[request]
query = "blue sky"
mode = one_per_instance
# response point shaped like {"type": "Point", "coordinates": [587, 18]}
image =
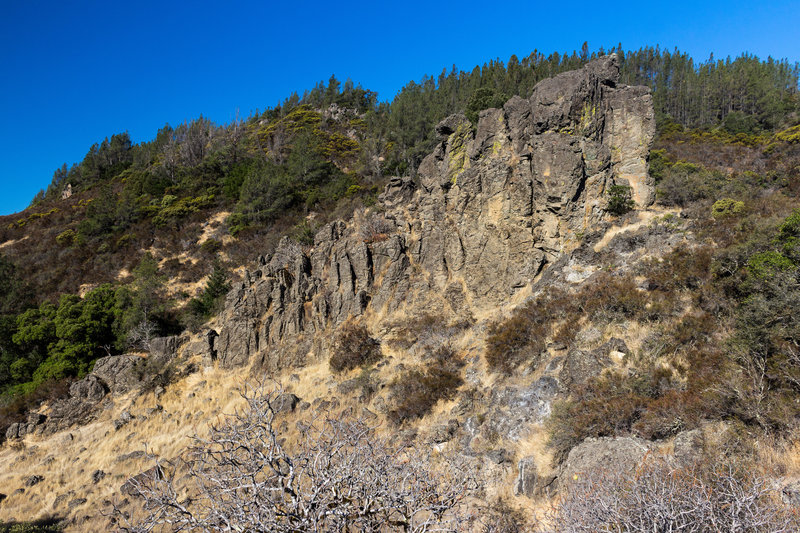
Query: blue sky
{"type": "Point", "coordinates": [75, 72]}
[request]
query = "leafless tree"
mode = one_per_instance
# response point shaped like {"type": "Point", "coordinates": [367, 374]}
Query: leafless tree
{"type": "Point", "coordinates": [142, 333]}
{"type": "Point", "coordinates": [661, 496]}
{"type": "Point", "coordinates": [338, 477]}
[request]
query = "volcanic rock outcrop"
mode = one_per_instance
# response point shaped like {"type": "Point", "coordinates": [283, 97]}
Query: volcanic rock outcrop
{"type": "Point", "coordinates": [492, 206]}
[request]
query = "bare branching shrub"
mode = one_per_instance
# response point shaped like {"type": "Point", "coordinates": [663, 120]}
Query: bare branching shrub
{"type": "Point", "coordinates": [660, 496]}
{"type": "Point", "coordinates": [353, 348]}
{"type": "Point", "coordinates": [339, 476]}
{"type": "Point", "coordinates": [376, 228]}
{"type": "Point", "coordinates": [141, 334]}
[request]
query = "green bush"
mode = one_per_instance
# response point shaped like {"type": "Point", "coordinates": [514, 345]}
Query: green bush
{"type": "Point", "coordinates": [765, 265]}
{"type": "Point", "coordinates": [619, 200]}
{"type": "Point", "coordinates": [659, 164]}
{"type": "Point", "coordinates": [210, 246]}
{"type": "Point", "coordinates": [683, 183]}
{"type": "Point", "coordinates": [726, 207]}
{"type": "Point", "coordinates": [173, 209]}
{"type": "Point", "coordinates": [211, 298]}
{"type": "Point", "coordinates": [66, 238]}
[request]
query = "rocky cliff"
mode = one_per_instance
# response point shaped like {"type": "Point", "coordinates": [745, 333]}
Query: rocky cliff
{"type": "Point", "coordinates": [493, 205]}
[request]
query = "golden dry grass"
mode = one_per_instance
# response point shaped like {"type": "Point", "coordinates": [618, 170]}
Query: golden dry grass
{"type": "Point", "coordinates": [67, 460]}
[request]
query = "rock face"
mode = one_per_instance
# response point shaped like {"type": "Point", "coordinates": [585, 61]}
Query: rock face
{"type": "Point", "coordinates": [620, 453]}
{"type": "Point", "coordinates": [492, 207]}
{"type": "Point", "coordinates": [120, 373]}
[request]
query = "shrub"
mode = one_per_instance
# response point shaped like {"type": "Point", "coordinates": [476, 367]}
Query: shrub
{"type": "Point", "coordinates": [602, 407]}
{"type": "Point", "coordinates": [416, 391]}
{"type": "Point", "coordinates": [663, 496]}
{"type": "Point", "coordinates": [66, 238]}
{"type": "Point", "coordinates": [353, 347]}
{"type": "Point", "coordinates": [43, 525]}
{"type": "Point", "coordinates": [619, 200]}
{"type": "Point", "coordinates": [726, 207]}
{"type": "Point", "coordinates": [684, 183]}
{"type": "Point", "coordinates": [376, 228]}
{"type": "Point", "coordinates": [516, 340]}
{"type": "Point", "coordinates": [611, 297]}
{"type": "Point", "coordinates": [304, 233]}
{"type": "Point", "coordinates": [210, 246]}
{"type": "Point", "coordinates": [339, 476]}
{"type": "Point", "coordinates": [659, 163]}
{"type": "Point", "coordinates": [125, 240]}
{"type": "Point", "coordinates": [522, 338]}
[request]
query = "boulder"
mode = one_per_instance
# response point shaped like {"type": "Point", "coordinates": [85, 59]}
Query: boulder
{"type": "Point", "coordinates": [285, 402]}
{"type": "Point", "coordinates": [513, 409]}
{"type": "Point", "coordinates": [689, 446]}
{"type": "Point", "coordinates": [76, 502]}
{"type": "Point", "coordinates": [444, 432]}
{"type": "Point", "coordinates": [138, 454]}
{"type": "Point", "coordinates": [91, 389]}
{"type": "Point", "coordinates": [13, 431]}
{"type": "Point", "coordinates": [120, 373]}
{"type": "Point", "coordinates": [165, 348]}
{"type": "Point", "coordinates": [124, 418]}
{"type": "Point", "coordinates": [790, 494]}
{"type": "Point", "coordinates": [30, 481]}
{"type": "Point", "coordinates": [398, 191]}
{"type": "Point", "coordinates": [61, 498]}
{"type": "Point", "coordinates": [132, 485]}
{"type": "Point", "coordinates": [499, 456]}
{"type": "Point", "coordinates": [620, 453]}
{"type": "Point", "coordinates": [34, 418]}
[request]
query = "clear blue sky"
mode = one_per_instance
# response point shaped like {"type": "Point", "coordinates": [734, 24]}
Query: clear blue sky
{"type": "Point", "coordinates": [75, 72]}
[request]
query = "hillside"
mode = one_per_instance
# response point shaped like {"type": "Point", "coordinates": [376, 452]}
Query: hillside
{"type": "Point", "coordinates": [572, 278]}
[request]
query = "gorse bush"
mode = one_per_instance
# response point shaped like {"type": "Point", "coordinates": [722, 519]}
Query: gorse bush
{"type": "Point", "coordinates": [726, 207]}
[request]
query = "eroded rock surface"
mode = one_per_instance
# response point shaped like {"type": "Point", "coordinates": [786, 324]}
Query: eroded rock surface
{"type": "Point", "coordinates": [621, 453]}
{"type": "Point", "coordinates": [492, 207]}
